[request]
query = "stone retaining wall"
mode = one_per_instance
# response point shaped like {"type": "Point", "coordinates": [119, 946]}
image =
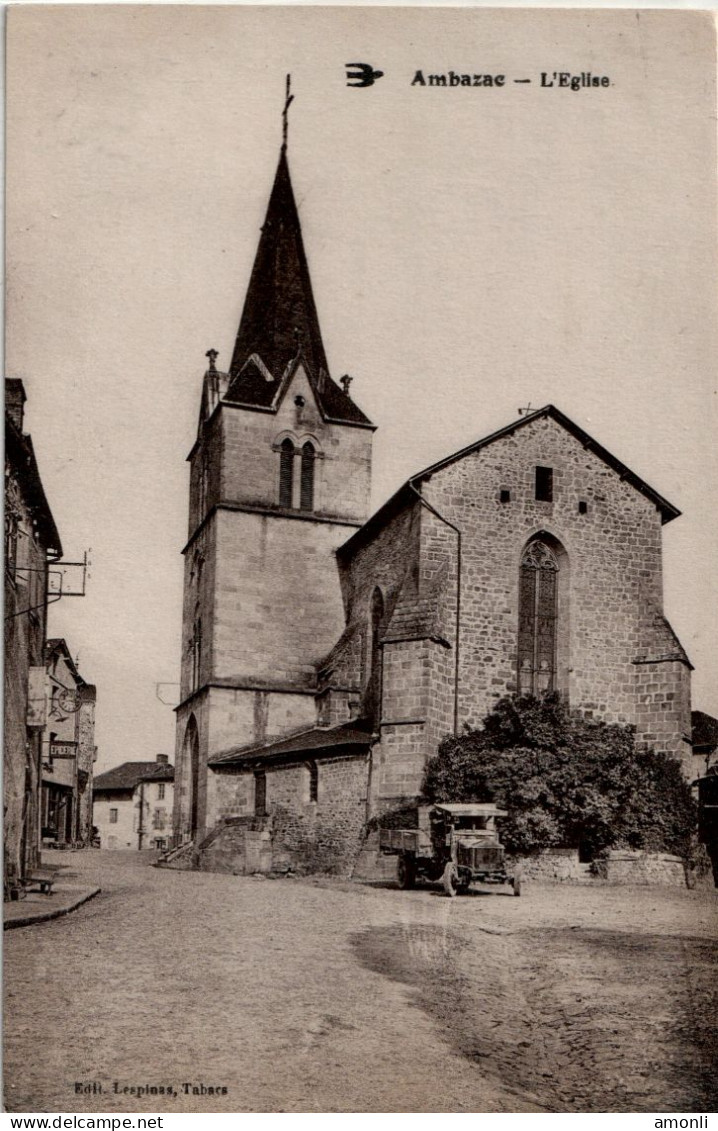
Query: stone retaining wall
{"type": "Point", "coordinates": [560, 865]}
{"type": "Point", "coordinates": [625, 866]}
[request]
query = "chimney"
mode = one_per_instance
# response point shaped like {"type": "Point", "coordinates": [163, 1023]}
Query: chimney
{"type": "Point", "coordinates": [15, 400]}
{"type": "Point", "coordinates": [163, 759]}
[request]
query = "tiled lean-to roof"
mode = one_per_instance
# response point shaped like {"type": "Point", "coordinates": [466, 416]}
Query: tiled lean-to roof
{"type": "Point", "coordinates": [334, 739]}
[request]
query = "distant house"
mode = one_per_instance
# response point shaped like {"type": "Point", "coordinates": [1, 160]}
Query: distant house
{"type": "Point", "coordinates": [132, 805]}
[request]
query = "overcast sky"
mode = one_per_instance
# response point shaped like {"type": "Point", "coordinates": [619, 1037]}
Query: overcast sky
{"type": "Point", "coordinates": [472, 250]}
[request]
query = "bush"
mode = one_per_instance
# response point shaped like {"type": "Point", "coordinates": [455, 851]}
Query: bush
{"type": "Point", "coordinates": [566, 781]}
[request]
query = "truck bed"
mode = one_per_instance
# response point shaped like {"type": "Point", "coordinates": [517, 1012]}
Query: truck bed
{"type": "Point", "coordinates": [415, 841]}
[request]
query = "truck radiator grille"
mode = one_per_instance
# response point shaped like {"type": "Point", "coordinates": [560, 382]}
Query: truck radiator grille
{"type": "Point", "coordinates": [482, 857]}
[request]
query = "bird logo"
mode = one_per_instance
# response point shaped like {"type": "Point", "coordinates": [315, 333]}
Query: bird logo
{"type": "Point", "coordinates": [362, 74]}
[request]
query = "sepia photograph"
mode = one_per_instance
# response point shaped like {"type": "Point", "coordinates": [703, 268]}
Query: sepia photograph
{"type": "Point", "coordinates": [360, 602]}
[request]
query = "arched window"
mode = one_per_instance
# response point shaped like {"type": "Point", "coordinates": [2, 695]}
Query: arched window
{"type": "Point", "coordinates": [306, 493]}
{"type": "Point", "coordinates": [190, 772]}
{"type": "Point", "coordinates": [196, 648]}
{"type": "Point", "coordinates": [202, 486]}
{"type": "Point", "coordinates": [538, 610]}
{"type": "Point", "coordinates": [286, 473]}
{"type": "Point", "coordinates": [374, 682]}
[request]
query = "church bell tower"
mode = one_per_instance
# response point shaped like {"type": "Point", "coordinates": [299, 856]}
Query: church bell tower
{"type": "Point", "coordinates": [279, 478]}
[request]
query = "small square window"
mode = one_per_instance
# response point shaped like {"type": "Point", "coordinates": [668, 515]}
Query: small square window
{"type": "Point", "coordinates": [582, 506]}
{"type": "Point", "coordinates": [505, 495]}
{"type": "Point", "coordinates": [544, 484]}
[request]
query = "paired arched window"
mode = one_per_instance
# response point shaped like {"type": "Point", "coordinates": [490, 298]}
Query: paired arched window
{"type": "Point", "coordinates": [308, 455]}
{"type": "Point", "coordinates": [306, 492]}
{"type": "Point", "coordinates": [538, 618]}
{"type": "Point", "coordinates": [286, 473]}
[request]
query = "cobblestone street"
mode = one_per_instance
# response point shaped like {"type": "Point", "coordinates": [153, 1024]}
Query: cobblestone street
{"type": "Point", "coordinates": [321, 995]}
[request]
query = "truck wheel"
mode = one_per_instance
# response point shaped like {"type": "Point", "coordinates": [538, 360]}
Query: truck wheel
{"type": "Point", "coordinates": [450, 879]}
{"type": "Point", "coordinates": [516, 884]}
{"type": "Point", "coordinates": [405, 872]}
{"type": "Point", "coordinates": [463, 882]}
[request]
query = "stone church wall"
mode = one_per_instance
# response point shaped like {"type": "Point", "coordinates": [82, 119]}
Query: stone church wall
{"type": "Point", "coordinates": [230, 793]}
{"type": "Point", "coordinates": [388, 561]}
{"type": "Point", "coordinates": [612, 588]}
{"type": "Point", "coordinates": [198, 603]}
{"type": "Point", "coordinates": [229, 717]}
{"type": "Point", "coordinates": [664, 709]}
{"type": "Point", "coordinates": [416, 715]}
{"type": "Point", "coordinates": [277, 606]}
{"type": "Point", "coordinates": [297, 834]}
{"type": "Point", "coordinates": [321, 836]}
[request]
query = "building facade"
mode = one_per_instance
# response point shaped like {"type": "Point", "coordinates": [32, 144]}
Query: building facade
{"type": "Point", "coordinates": [132, 805]}
{"type": "Point", "coordinates": [68, 751]}
{"type": "Point", "coordinates": [325, 655]}
{"type": "Point", "coordinates": [32, 543]}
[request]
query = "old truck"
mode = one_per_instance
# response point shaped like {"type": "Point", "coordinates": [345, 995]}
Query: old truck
{"type": "Point", "coordinates": [457, 844]}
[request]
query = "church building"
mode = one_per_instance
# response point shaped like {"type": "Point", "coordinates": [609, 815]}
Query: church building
{"type": "Point", "coordinates": [326, 653]}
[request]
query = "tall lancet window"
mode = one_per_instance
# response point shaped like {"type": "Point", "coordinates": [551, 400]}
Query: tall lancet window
{"type": "Point", "coordinates": [373, 692]}
{"type": "Point", "coordinates": [538, 605]}
{"type": "Point", "coordinates": [196, 654]}
{"type": "Point", "coordinates": [306, 493]}
{"type": "Point", "coordinates": [286, 473]}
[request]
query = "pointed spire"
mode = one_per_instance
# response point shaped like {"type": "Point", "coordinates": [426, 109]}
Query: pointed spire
{"type": "Point", "coordinates": [279, 309]}
{"type": "Point", "coordinates": [279, 323]}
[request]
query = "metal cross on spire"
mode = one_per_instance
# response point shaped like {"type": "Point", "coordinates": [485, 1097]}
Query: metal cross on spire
{"type": "Point", "coordinates": [287, 103]}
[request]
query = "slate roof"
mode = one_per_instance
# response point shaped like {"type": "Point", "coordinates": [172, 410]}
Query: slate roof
{"type": "Point", "coordinates": [129, 775]}
{"type": "Point", "coordinates": [20, 455]}
{"type": "Point", "coordinates": [661, 644]}
{"type": "Point", "coordinates": [408, 492]}
{"type": "Point", "coordinates": [416, 614]}
{"type": "Point", "coordinates": [279, 321]}
{"type": "Point", "coordinates": [336, 739]}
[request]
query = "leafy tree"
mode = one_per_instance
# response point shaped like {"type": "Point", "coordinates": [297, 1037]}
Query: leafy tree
{"type": "Point", "coordinates": [566, 780]}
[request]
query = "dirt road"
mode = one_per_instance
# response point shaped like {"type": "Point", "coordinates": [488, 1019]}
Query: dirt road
{"type": "Point", "coordinates": [329, 996]}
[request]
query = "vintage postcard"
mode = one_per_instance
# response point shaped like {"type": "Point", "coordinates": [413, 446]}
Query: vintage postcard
{"type": "Point", "coordinates": [361, 710]}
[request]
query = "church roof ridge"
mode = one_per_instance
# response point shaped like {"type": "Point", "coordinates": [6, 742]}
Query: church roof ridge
{"type": "Point", "coordinates": [407, 492]}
